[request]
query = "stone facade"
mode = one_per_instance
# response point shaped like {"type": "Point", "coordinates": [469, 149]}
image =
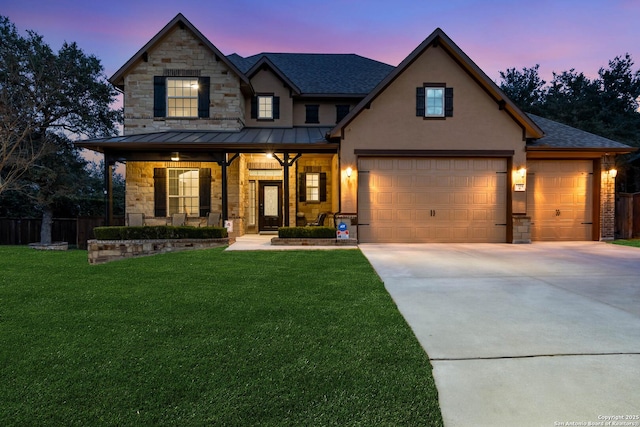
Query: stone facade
{"type": "Point", "coordinates": [103, 251]}
{"type": "Point", "coordinates": [180, 50]}
{"type": "Point", "coordinates": [521, 229]}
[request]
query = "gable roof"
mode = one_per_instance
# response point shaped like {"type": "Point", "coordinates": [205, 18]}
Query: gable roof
{"type": "Point", "coordinates": [439, 39]}
{"type": "Point", "coordinates": [559, 136]}
{"type": "Point", "coordinates": [118, 78]}
{"type": "Point", "coordinates": [319, 73]}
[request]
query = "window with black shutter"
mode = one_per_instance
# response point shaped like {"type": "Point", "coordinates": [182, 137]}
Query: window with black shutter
{"type": "Point", "coordinates": [179, 190]}
{"type": "Point", "coordinates": [312, 187]}
{"type": "Point", "coordinates": [341, 112]}
{"type": "Point", "coordinates": [312, 113]}
{"type": "Point", "coordinates": [434, 100]}
{"type": "Point", "coordinates": [181, 96]}
{"type": "Point", "coordinates": [265, 107]}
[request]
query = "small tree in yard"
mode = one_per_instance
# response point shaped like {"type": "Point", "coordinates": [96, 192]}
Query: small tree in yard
{"type": "Point", "coordinates": [46, 98]}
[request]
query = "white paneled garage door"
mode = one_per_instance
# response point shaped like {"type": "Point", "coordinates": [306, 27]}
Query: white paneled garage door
{"type": "Point", "coordinates": [560, 199]}
{"type": "Point", "coordinates": [432, 200]}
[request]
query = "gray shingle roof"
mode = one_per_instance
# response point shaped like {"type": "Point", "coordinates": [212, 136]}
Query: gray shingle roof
{"type": "Point", "coordinates": [558, 135]}
{"type": "Point", "coordinates": [320, 73]}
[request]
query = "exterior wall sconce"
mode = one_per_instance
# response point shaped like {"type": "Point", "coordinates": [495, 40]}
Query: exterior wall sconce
{"type": "Point", "coordinates": [175, 156]}
{"type": "Point", "coordinates": [349, 171]}
{"type": "Point", "coordinates": [522, 172]}
{"type": "Point", "coordinates": [612, 173]}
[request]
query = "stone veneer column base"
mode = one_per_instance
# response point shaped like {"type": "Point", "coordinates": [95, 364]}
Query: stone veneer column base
{"type": "Point", "coordinates": [521, 229]}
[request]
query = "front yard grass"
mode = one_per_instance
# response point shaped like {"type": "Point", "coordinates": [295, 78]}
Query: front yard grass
{"type": "Point", "coordinates": [298, 338]}
{"type": "Point", "coordinates": [628, 242]}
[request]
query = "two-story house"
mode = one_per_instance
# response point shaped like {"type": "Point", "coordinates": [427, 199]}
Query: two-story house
{"type": "Point", "coordinates": [428, 151]}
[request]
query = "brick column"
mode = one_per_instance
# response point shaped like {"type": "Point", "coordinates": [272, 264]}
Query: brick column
{"type": "Point", "coordinates": [607, 201]}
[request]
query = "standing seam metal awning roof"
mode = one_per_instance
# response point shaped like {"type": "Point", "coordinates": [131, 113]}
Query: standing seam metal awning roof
{"type": "Point", "coordinates": [303, 138]}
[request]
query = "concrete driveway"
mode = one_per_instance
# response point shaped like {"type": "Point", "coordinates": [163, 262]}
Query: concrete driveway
{"type": "Point", "coordinates": [546, 334]}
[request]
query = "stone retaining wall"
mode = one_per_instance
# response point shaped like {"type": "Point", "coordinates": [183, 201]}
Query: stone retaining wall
{"type": "Point", "coordinates": [102, 251]}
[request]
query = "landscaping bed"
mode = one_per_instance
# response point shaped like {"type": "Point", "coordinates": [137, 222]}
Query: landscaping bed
{"type": "Point", "coordinates": [310, 236]}
{"type": "Point", "coordinates": [116, 243]}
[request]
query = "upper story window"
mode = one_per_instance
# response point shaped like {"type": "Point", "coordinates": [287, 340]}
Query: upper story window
{"type": "Point", "coordinates": [182, 97]}
{"type": "Point", "coordinates": [312, 113]}
{"type": "Point", "coordinates": [341, 112]}
{"type": "Point", "coordinates": [265, 107]}
{"type": "Point", "coordinates": [434, 100]}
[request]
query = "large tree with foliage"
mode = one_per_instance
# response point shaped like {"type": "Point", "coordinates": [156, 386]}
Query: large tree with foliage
{"type": "Point", "coordinates": [46, 98]}
{"type": "Point", "coordinates": [606, 105]}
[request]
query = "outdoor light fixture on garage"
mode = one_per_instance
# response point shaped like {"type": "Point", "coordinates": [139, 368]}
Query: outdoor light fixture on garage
{"type": "Point", "coordinates": [349, 171]}
{"type": "Point", "coordinates": [612, 173]}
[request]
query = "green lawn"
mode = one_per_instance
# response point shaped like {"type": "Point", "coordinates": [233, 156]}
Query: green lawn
{"type": "Point", "coordinates": [272, 338]}
{"type": "Point", "coordinates": [631, 242]}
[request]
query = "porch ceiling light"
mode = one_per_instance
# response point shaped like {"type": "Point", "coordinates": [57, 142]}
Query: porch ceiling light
{"type": "Point", "coordinates": [175, 156]}
{"type": "Point", "coordinates": [269, 155]}
{"type": "Point", "coordinates": [613, 173]}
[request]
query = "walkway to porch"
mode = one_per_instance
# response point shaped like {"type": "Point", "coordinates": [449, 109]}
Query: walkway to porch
{"type": "Point", "coordinates": [258, 242]}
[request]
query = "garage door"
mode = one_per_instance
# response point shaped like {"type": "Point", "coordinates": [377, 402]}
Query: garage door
{"type": "Point", "coordinates": [432, 200]}
{"type": "Point", "coordinates": [560, 199]}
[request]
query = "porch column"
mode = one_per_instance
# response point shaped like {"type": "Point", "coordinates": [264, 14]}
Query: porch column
{"type": "Point", "coordinates": [286, 188]}
{"type": "Point", "coordinates": [225, 195]}
{"type": "Point", "coordinates": [108, 190]}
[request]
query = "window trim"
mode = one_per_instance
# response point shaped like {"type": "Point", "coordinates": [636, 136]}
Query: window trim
{"type": "Point", "coordinates": [259, 115]}
{"type": "Point", "coordinates": [439, 98]}
{"type": "Point", "coordinates": [193, 109]}
{"type": "Point", "coordinates": [312, 113]}
{"type": "Point", "coordinates": [196, 197]}
{"type": "Point", "coordinates": [308, 187]}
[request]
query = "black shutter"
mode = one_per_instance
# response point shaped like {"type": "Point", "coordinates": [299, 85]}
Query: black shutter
{"type": "Point", "coordinates": [276, 107]}
{"type": "Point", "coordinates": [204, 87]}
{"type": "Point", "coordinates": [302, 187]}
{"type": "Point", "coordinates": [323, 187]}
{"type": "Point", "coordinates": [254, 107]}
{"type": "Point", "coordinates": [159, 96]}
{"type": "Point", "coordinates": [160, 191]}
{"type": "Point", "coordinates": [312, 115]}
{"type": "Point", "coordinates": [448, 102]}
{"type": "Point", "coordinates": [205, 191]}
{"type": "Point", "coordinates": [341, 112]}
{"type": "Point", "coordinates": [420, 102]}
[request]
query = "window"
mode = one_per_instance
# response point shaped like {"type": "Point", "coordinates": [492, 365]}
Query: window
{"type": "Point", "coordinates": [265, 107]}
{"type": "Point", "coordinates": [341, 112]}
{"type": "Point", "coordinates": [184, 190]}
{"type": "Point", "coordinates": [313, 115]}
{"type": "Point", "coordinates": [313, 187]}
{"type": "Point", "coordinates": [182, 97]}
{"type": "Point", "coordinates": [434, 100]}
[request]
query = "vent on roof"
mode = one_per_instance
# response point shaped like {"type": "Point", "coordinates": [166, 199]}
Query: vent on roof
{"type": "Point", "coordinates": [181, 73]}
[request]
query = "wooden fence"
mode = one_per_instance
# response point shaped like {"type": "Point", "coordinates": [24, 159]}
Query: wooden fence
{"type": "Point", "coordinates": [628, 215]}
{"type": "Point", "coordinates": [75, 231]}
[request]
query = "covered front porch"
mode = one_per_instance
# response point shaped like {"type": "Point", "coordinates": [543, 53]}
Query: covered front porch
{"type": "Point", "coordinates": [258, 179]}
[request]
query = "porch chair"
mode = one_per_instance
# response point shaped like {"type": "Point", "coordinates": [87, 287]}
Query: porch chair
{"type": "Point", "coordinates": [135, 219]}
{"type": "Point", "coordinates": [178, 219]}
{"type": "Point", "coordinates": [319, 222]}
{"type": "Point", "coordinates": [213, 220]}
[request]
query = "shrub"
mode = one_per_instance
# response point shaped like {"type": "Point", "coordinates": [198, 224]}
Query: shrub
{"type": "Point", "coordinates": [307, 232]}
{"type": "Point", "coordinates": [159, 232]}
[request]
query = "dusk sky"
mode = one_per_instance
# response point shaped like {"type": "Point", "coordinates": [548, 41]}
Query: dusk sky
{"type": "Point", "coordinates": [496, 34]}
